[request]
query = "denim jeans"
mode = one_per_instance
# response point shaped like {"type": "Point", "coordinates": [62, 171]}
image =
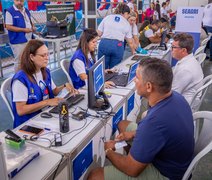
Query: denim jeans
{"type": "Point", "coordinates": [113, 51]}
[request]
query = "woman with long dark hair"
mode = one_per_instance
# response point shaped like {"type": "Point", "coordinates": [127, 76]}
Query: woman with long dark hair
{"type": "Point", "coordinates": [84, 58]}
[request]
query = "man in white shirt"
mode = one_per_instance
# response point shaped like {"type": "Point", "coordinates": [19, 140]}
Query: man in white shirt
{"type": "Point", "coordinates": [19, 25]}
{"type": "Point", "coordinates": [187, 72]}
{"type": "Point", "coordinates": [207, 22]}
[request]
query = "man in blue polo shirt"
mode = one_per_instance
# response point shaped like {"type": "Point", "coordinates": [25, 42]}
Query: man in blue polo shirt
{"type": "Point", "coordinates": [163, 141]}
{"type": "Point", "coordinates": [19, 25]}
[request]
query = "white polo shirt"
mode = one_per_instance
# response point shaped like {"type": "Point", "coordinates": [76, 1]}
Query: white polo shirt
{"type": "Point", "coordinates": [187, 76]}
{"type": "Point", "coordinates": [115, 27]}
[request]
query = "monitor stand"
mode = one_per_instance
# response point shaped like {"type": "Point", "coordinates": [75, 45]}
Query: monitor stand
{"type": "Point", "coordinates": [162, 47]}
{"type": "Point", "coordinates": [101, 103]}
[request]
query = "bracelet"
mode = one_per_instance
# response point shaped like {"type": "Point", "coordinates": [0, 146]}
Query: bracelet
{"type": "Point", "coordinates": [109, 149]}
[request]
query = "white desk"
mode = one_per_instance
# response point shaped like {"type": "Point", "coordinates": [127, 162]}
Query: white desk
{"type": "Point", "coordinates": [161, 54]}
{"type": "Point", "coordinates": [78, 140]}
{"type": "Point", "coordinates": [57, 43]}
{"type": "Point", "coordinates": [42, 167]}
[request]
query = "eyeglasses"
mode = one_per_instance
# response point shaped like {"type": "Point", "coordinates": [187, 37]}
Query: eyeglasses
{"type": "Point", "coordinates": [173, 47]}
{"type": "Point", "coordinates": [43, 55]}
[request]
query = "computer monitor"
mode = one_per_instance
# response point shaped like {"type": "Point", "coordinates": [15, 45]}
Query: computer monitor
{"type": "Point", "coordinates": [97, 100]}
{"type": "Point", "coordinates": [163, 38]}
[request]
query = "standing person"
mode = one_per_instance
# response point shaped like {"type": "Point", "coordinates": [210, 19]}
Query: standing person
{"type": "Point", "coordinates": [113, 30]}
{"type": "Point", "coordinates": [168, 8]}
{"type": "Point", "coordinates": [20, 27]}
{"type": "Point", "coordinates": [207, 23]}
{"type": "Point", "coordinates": [132, 21]}
{"type": "Point", "coordinates": [150, 12]}
{"type": "Point", "coordinates": [131, 5]}
{"type": "Point", "coordinates": [156, 15]}
{"type": "Point", "coordinates": [84, 58]}
{"type": "Point", "coordinates": [163, 11]}
{"type": "Point", "coordinates": [162, 144]}
{"type": "Point", "coordinates": [32, 86]}
{"type": "Point", "coordinates": [187, 72]}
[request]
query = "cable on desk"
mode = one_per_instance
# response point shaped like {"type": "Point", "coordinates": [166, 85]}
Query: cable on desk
{"type": "Point", "coordinates": [55, 173]}
{"type": "Point", "coordinates": [78, 132]}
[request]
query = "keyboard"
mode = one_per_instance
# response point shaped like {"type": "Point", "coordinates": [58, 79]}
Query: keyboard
{"type": "Point", "coordinates": [138, 58]}
{"type": "Point", "coordinates": [71, 101]}
{"type": "Point", "coordinates": [120, 80]}
{"type": "Point", "coordinates": [153, 47]}
{"type": "Point", "coordinates": [108, 76]}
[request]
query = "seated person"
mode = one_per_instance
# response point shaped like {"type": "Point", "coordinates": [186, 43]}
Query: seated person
{"type": "Point", "coordinates": [148, 36]}
{"type": "Point", "coordinates": [187, 72]}
{"type": "Point", "coordinates": [84, 58]}
{"type": "Point", "coordinates": [32, 86]}
{"type": "Point", "coordinates": [163, 142]}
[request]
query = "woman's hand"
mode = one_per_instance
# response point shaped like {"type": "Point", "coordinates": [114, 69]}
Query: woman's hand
{"type": "Point", "coordinates": [71, 89]}
{"type": "Point", "coordinates": [53, 101]}
{"type": "Point", "coordinates": [109, 84]}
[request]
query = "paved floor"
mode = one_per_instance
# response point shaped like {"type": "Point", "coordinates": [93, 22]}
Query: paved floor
{"type": "Point", "coordinates": [203, 170]}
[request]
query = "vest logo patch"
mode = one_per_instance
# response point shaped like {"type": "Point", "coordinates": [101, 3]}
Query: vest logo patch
{"type": "Point", "coordinates": [117, 19]}
{"type": "Point", "coordinates": [32, 95]}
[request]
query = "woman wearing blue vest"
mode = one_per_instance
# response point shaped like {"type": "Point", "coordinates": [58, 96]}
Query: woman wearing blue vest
{"type": "Point", "coordinates": [84, 58]}
{"type": "Point", "coordinates": [114, 29]}
{"type": "Point", "coordinates": [32, 86]}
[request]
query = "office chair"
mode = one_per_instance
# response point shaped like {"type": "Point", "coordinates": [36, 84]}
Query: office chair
{"type": "Point", "coordinates": [64, 63]}
{"type": "Point", "coordinates": [200, 49]}
{"type": "Point", "coordinates": [201, 92]}
{"type": "Point", "coordinates": [6, 94]}
{"type": "Point", "coordinates": [203, 140]}
{"type": "Point", "coordinates": [200, 57]}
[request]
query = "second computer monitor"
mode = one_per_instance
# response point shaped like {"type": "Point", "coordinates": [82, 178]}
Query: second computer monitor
{"type": "Point", "coordinates": [163, 38]}
{"type": "Point", "coordinates": [96, 80]}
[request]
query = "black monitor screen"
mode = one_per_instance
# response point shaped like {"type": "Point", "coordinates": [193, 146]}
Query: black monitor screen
{"type": "Point", "coordinates": [98, 77]}
{"type": "Point", "coordinates": [96, 80]}
{"type": "Point", "coordinates": [163, 37]}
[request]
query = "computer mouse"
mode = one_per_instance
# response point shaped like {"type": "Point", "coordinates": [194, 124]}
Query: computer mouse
{"type": "Point", "coordinates": [46, 115]}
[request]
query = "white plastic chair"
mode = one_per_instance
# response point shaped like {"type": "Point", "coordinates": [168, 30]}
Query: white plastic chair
{"type": "Point", "coordinates": [200, 57]}
{"type": "Point", "coordinates": [203, 141]}
{"type": "Point", "coordinates": [200, 50]}
{"type": "Point", "coordinates": [200, 93]}
{"type": "Point", "coordinates": [205, 41]}
{"type": "Point", "coordinates": [6, 94]}
{"type": "Point", "coordinates": [65, 67]}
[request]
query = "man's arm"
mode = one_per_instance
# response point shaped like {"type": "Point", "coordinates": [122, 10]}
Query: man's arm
{"type": "Point", "coordinates": [126, 164]}
{"type": "Point", "coordinates": [18, 29]}
{"type": "Point", "coordinates": [155, 39]}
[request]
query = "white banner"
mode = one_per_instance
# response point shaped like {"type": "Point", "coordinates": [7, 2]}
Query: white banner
{"type": "Point", "coordinates": [189, 19]}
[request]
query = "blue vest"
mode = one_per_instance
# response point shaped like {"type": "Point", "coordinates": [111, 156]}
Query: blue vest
{"type": "Point", "coordinates": [34, 95]}
{"type": "Point", "coordinates": [77, 82]}
{"type": "Point", "coordinates": [18, 21]}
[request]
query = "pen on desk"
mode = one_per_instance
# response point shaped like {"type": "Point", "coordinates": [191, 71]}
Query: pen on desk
{"type": "Point", "coordinates": [47, 129]}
